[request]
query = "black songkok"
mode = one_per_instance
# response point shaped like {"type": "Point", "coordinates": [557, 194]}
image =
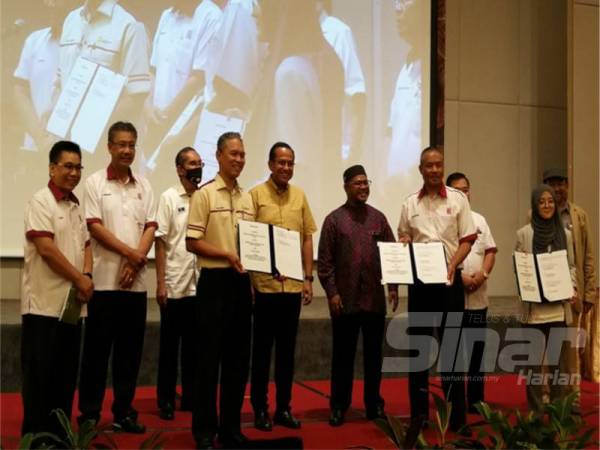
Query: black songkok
{"type": "Point", "coordinates": [352, 171]}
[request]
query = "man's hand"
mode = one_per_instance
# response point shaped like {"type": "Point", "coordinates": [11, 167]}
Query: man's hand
{"type": "Point", "coordinates": [235, 262]}
{"type": "Point", "coordinates": [85, 286]}
{"type": "Point", "coordinates": [468, 281]}
{"type": "Point", "coordinates": [451, 271]}
{"type": "Point", "coordinates": [404, 239]}
{"type": "Point", "coordinates": [335, 305]}
{"type": "Point", "coordinates": [393, 299]}
{"type": "Point", "coordinates": [128, 274]}
{"type": "Point", "coordinates": [307, 292]}
{"type": "Point", "coordinates": [136, 258]}
{"type": "Point", "coordinates": [161, 294]}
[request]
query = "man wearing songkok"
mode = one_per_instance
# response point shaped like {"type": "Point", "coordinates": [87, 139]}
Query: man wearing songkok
{"type": "Point", "coordinates": [350, 272]}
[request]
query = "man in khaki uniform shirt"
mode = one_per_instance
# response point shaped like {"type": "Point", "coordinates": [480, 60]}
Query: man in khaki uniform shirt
{"type": "Point", "coordinates": [278, 300]}
{"type": "Point", "coordinates": [224, 298]}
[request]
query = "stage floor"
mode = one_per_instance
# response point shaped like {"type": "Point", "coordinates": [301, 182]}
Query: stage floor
{"type": "Point", "coordinates": [310, 403]}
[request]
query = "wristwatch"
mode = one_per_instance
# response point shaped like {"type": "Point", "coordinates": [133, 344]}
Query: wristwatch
{"type": "Point", "coordinates": [88, 274]}
{"type": "Point", "coordinates": [309, 278]}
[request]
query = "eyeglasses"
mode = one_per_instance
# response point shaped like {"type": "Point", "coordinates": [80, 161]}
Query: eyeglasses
{"type": "Point", "coordinates": [284, 163]}
{"type": "Point", "coordinates": [360, 183]}
{"type": "Point", "coordinates": [71, 167]}
{"type": "Point", "coordinates": [195, 165]}
{"type": "Point", "coordinates": [123, 145]}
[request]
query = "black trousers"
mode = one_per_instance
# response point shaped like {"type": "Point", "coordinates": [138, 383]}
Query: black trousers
{"type": "Point", "coordinates": [475, 319]}
{"type": "Point", "coordinates": [345, 330]}
{"type": "Point", "coordinates": [49, 363]}
{"type": "Point", "coordinates": [177, 326]}
{"type": "Point", "coordinates": [428, 308]}
{"type": "Point", "coordinates": [224, 308]}
{"type": "Point", "coordinates": [275, 322]}
{"type": "Point", "coordinates": [116, 321]}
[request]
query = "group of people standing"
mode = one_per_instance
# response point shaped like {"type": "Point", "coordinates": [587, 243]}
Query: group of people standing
{"type": "Point", "coordinates": [226, 317]}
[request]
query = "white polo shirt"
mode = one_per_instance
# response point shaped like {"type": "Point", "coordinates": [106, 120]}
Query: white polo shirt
{"type": "Point", "coordinates": [111, 37]}
{"type": "Point", "coordinates": [181, 274]}
{"type": "Point", "coordinates": [445, 218]}
{"type": "Point", "coordinates": [126, 210]}
{"type": "Point", "coordinates": [405, 120]}
{"type": "Point", "coordinates": [474, 261]}
{"type": "Point", "coordinates": [339, 35]}
{"type": "Point", "coordinates": [51, 213]}
{"type": "Point", "coordinates": [38, 66]}
{"type": "Point", "coordinates": [180, 44]}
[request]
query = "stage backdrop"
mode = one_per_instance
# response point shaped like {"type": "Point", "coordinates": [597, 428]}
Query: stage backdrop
{"type": "Point", "coordinates": [342, 82]}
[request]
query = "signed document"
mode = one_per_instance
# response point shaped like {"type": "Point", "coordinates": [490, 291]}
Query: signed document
{"type": "Point", "coordinates": [396, 266]}
{"type": "Point", "coordinates": [526, 277]}
{"type": "Point", "coordinates": [288, 256]}
{"type": "Point", "coordinates": [430, 262]}
{"type": "Point", "coordinates": [255, 249]}
{"type": "Point", "coordinates": [555, 275]}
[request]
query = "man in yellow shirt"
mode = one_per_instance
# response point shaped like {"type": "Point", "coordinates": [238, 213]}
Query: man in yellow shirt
{"type": "Point", "coordinates": [224, 303]}
{"type": "Point", "coordinates": [277, 299]}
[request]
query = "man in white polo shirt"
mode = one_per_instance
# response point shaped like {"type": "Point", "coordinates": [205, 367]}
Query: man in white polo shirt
{"type": "Point", "coordinates": [477, 268]}
{"type": "Point", "coordinates": [340, 37]}
{"type": "Point", "coordinates": [224, 299]}
{"type": "Point", "coordinates": [119, 209]}
{"type": "Point", "coordinates": [176, 278]}
{"type": "Point", "coordinates": [180, 55]}
{"type": "Point", "coordinates": [57, 258]}
{"type": "Point", "coordinates": [35, 77]}
{"type": "Point", "coordinates": [436, 213]}
{"type": "Point", "coordinates": [102, 31]}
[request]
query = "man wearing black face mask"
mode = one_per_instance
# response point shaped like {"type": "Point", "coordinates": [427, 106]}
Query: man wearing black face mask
{"type": "Point", "coordinates": [176, 278]}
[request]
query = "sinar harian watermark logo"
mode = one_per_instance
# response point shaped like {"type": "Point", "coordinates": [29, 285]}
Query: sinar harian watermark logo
{"type": "Point", "coordinates": [430, 339]}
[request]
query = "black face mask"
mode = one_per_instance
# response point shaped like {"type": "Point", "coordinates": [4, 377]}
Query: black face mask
{"type": "Point", "coordinates": [194, 175]}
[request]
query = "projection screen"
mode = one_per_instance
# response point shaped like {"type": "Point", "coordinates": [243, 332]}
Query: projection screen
{"type": "Point", "coordinates": [342, 81]}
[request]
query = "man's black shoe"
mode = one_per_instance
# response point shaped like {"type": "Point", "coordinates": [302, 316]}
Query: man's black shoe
{"type": "Point", "coordinates": [336, 419]}
{"type": "Point", "coordinates": [167, 412]}
{"type": "Point", "coordinates": [262, 421]}
{"type": "Point", "coordinates": [205, 443]}
{"type": "Point", "coordinates": [233, 440]}
{"type": "Point", "coordinates": [129, 425]}
{"type": "Point", "coordinates": [375, 413]}
{"type": "Point", "coordinates": [285, 419]}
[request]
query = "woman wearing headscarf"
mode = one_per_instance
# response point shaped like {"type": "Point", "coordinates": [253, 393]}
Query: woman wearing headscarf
{"type": "Point", "coordinates": [546, 234]}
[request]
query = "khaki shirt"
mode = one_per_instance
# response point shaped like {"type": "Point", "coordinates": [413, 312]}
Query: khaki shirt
{"type": "Point", "coordinates": [214, 215]}
{"type": "Point", "coordinates": [286, 209]}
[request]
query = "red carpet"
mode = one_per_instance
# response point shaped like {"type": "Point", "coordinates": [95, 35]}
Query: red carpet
{"type": "Point", "coordinates": [310, 405]}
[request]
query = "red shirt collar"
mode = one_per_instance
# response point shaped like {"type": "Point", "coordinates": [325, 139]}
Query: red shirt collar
{"type": "Point", "coordinates": [59, 194]}
{"type": "Point", "coordinates": [442, 192]}
{"type": "Point", "coordinates": [111, 174]}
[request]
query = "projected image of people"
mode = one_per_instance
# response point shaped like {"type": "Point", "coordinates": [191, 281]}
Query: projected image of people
{"type": "Point", "coordinates": [180, 55]}
{"type": "Point", "coordinates": [342, 81]}
{"type": "Point", "coordinates": [406, 105]}
{"type": "Point", "coordinates": [300, 95]}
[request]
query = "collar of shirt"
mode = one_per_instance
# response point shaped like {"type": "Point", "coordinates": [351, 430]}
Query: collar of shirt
{"type": "Point", "coordinates": [181, 190]}
{"type": "Point", "coordinates": [111, 174]}
{"type": "Point", "coordinates": [106, 7]}
{"type": "Point", "coordinates": [220, 184]}
{"type": "Point", "coordinates": [59, 194]}
{"type": "Point", "coordinates": [276, 188]}
{"type": "Point", "coordinates": [442, 192]}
